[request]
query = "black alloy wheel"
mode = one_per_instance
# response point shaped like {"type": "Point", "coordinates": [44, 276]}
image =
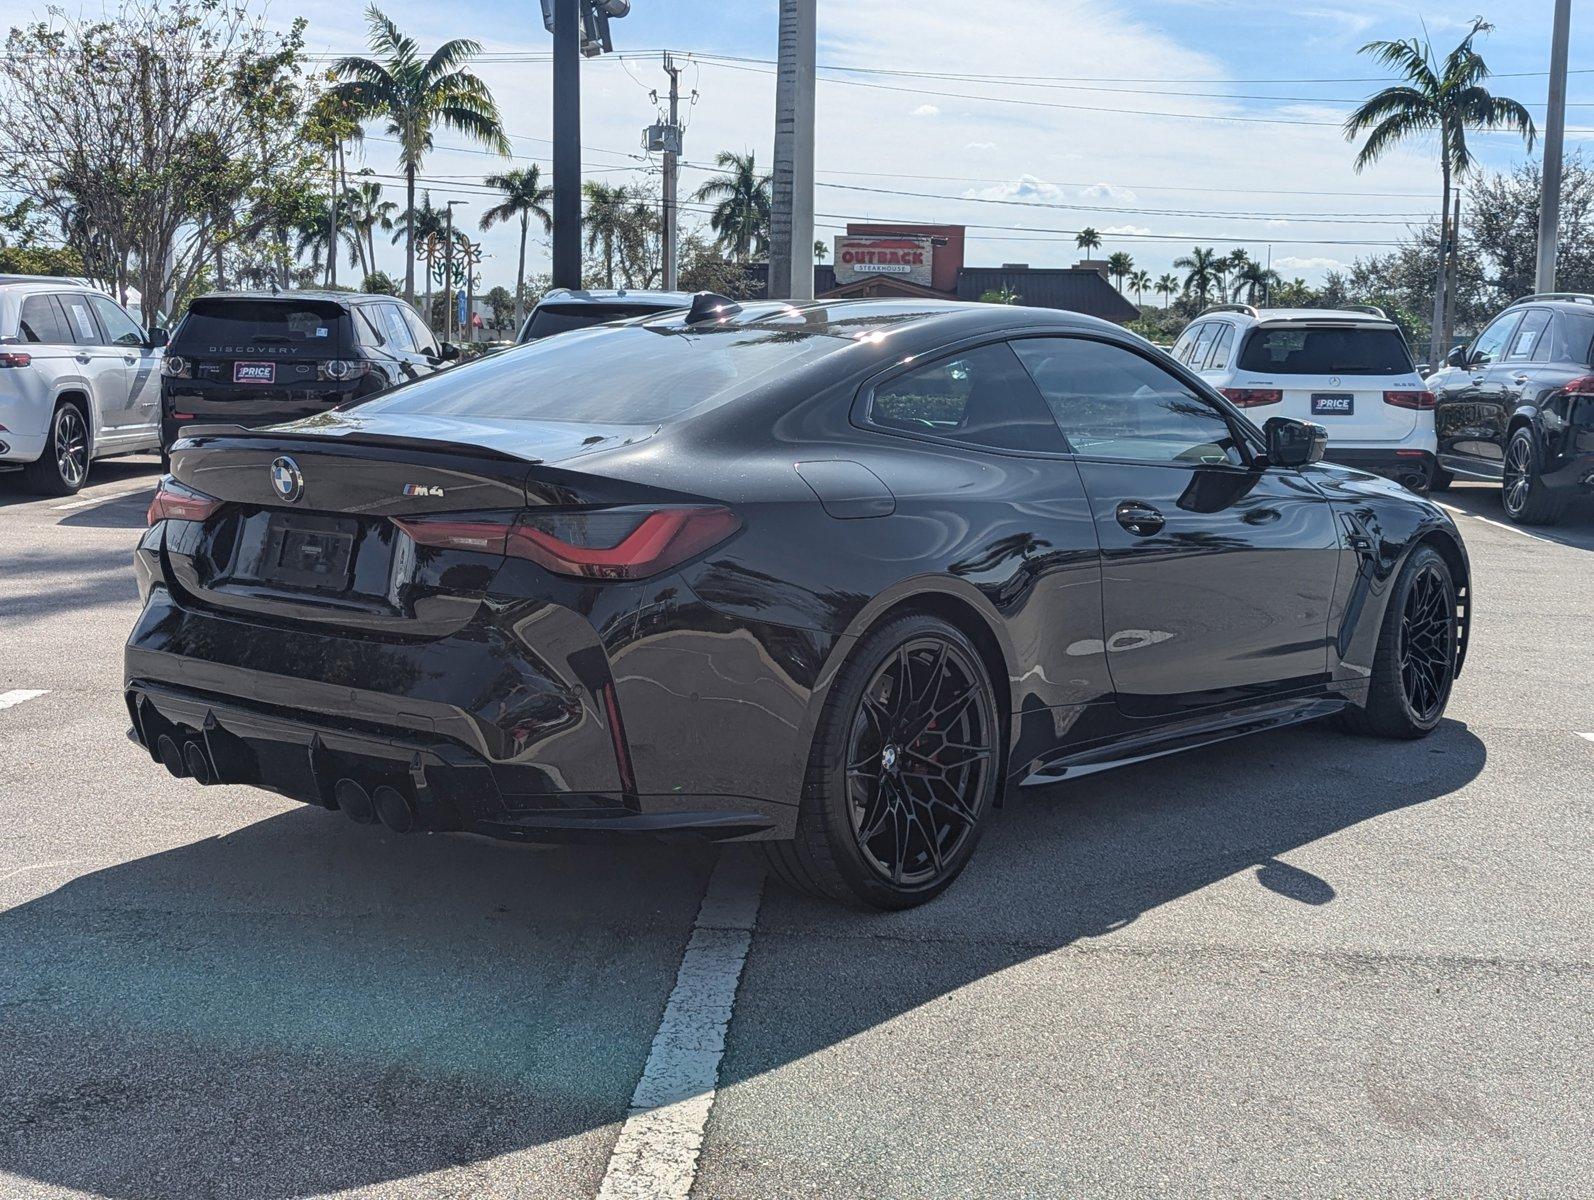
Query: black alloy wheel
{"type": "Point", "coordinates": [1523, 494]}
{"type": "Point", "coordinates": [906, 764]}
{"type": "Point", "coordinates": [1414, 663]}
{"type": "Point", "coordinates": [64, 465]}
{"type": "Point", "coordinates": [922, 744]}
{"type": "Point", "coordinates": [1427, 642]}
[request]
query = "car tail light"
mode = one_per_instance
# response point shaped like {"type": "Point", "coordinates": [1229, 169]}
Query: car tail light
{"type": "Point", "coordinates": [174, 366]}
{"type": "Point", "coordinates": [1582, 386]}
{"type": "Point", "coordinates": [340, 369]}
{"type": "Point", "coordinates": [1253, 397]}
{"type": "Point", "coordinates": [179, 502]}
{"type": "Point", "coordinates": [14, 358]}
{"type": "Point", "coordinates": [1409, 399]}
{"type": "Point", "coordinates": [600, 543]}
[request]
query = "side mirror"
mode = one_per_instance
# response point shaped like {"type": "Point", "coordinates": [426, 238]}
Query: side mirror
{"type": "Point", "coordinates": [158, 337]}
{"type": "Point", "coordinates": [1293, 443]}
{"type": "Point", "coordinates": [447, 351]}
{"type": "Point", "coordinates": [1457, 356]}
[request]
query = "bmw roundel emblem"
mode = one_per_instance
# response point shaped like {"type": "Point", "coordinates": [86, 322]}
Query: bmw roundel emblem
{"type": "Point", "coordinates": [286, 479]}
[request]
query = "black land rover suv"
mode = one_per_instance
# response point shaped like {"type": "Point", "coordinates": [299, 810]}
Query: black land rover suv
{"type": "Point", "coordinates": [256, 358]}
{"type": "Point", "coordinates": [1517, 406]}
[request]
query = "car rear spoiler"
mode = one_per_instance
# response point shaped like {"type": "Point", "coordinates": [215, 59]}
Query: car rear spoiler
{"type": "Point", "coordinates": [196, 433]}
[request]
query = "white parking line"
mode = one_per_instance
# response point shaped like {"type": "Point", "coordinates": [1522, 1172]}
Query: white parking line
{"type": "Point", "coordinates": [18, 695]}
{"type": "Point", "coordinates": [1502, 525]}
{"type": "Point", "coordinates": [1589, 736]}
{"type": "Point", "coordinates": [655, 1156]}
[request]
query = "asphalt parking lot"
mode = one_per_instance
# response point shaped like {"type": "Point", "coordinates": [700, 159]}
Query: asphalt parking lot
{"type": "Point", "coordinates": [1300, 964]}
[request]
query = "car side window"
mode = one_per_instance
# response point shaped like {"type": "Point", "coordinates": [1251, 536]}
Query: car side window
{"type": "Point", "coordinates": [1198, 353]}
{"type": "Point", "coordinates": [120, 329]}
{"type": "Point", "coordinates": [80, 319]}
{"type": "Point", "coordinates": [369, 326]}
{"type": "Point", "coordinates": [1525, 341]}
{"type": "Point", "coordinates": [43, 322]}
{"type": "Point", "coordinates": [398, 329]}
{"type": "Point", "coordinates": [425, 343]}
{"type": "Point", "coordinates": [1221, 349]}
{"type": "Point", "coordinates": [1181, 348]}
{"type": "Point", "coordinates": [1491, 343]}
{"type": "Point", "coordinates": [981, 397]}
{"type": "Point", "coordinates": [1112, 403]}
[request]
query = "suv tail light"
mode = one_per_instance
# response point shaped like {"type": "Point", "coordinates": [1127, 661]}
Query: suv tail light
{"type": "Point", "coordinates": [14, 358]}
{"type": "Point", "coordinates": [1253, 397]}
{"type": "Point", "coordinates": [603, 543]}
{"type": "Point", "coordinates": [174, 366]}
{"type": "Point", "coordinates": [1582, 386]}
{"type": "Point", "coordinates": [1417, 400]}
{"type": "Point", "coordinates": [340, 369]}
{"type": "Point", "coordinates": [179, 502]}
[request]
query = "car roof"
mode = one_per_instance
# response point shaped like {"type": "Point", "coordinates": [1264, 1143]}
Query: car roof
{"type": "Point", "coordinates": [1246, 313]}
{"type": "Point", "coordinates": [860, 318]}
{"type": "Point", "coordinates": [1580, 300]}
{"type": "Point", "coordinates": [331, 297]}
{"type": "Point", "coordinates": [641, 297]}
{"type": "Point", "coordinates": [47, 282]}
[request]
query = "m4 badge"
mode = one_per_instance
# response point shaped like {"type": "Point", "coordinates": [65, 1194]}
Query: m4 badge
{"type": "Point", "coordinates": [421, 489]}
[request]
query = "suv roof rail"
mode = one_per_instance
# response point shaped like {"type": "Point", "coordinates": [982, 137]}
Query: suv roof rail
{"type": "Point", "coordinates": [73, 280]}
{"type": "Point", "coordinates": [1573, 297]}
{"type": "Point", "coordinates": [1248, 309]}
{"type": "Point", "coordinates": [1366, 308]}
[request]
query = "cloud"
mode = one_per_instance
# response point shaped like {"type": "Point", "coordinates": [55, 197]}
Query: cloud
{"type": "Point", "coordinates": [1291, 262]}
{"type": "Point", "coordinates": [1108, 191]}
{"type": "Point", "coordinates": [1124, 229]}
{"type": "Point", "coordinates": [980, 146]}
{"type": "Point", "coordinates": [925, 110]}
{"type": "Point", "coordinates": [1025, 187]}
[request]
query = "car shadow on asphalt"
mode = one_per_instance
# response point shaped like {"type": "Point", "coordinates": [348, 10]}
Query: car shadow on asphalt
{"type": "Point", "coordinates": [41, 585]}
{"type": "Point", "coordinates": [102, 472]}
{"type": "Point", "coordinates": [1574, 529]}
{"type": "Point", "coordinates": [304, 1005]}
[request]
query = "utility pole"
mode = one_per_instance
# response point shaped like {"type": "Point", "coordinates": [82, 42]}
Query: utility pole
{"type": "Point", "coordinates": [332, 192]}
{"type": "Point", "coordinates": [567, 143]}
{"type": "Point", "coordinates": [791, 234]}
{"type": "Point", "coordinates": [672, 170]}
{"type": "Point", "coordinates": [448, 270]}
{"type": "Point", "coordinates": [1453, 275]}
{"type": "Point", "coordinates": [1554, 134]}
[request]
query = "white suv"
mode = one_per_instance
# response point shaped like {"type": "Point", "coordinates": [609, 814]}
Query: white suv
{"type": "Point", "coordinates": [1348, 370]}
{"type": "Point", "coordinates": [79, 380]}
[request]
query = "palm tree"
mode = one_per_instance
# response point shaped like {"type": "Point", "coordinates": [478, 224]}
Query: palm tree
{"type": "Point", "coordinates": [1119, 264]}
{"type": "Point", "coordinates": [1233, 267]}
{"type": "Point", "coordinates": [605, 221]}
{"type": "Point", "coordinates": [1140, 281]}
{"type": "Point", "coordinates": [1202, 272]}
{"type": "Point", "coordinates": [1087, 239]}
{"type": "Point", "coordinates": [1446, 98]}
{"type": "Point", "coordinates": [1255, 281]}
{"type": "Point", "coordinates": [525, 196]}
{"type": "Point", "coordinates": [740, 219]}
{"type": "Point", "coordinates": [415, 95]}
{"type": "Point", "coordinates": [368, 212]}
{"type": "Point", "coordinates": [1166, 286]}
{"type": "Point", "coordinates": [821, 251]}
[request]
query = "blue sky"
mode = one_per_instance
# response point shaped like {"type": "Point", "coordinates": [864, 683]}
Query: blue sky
{"type": "Point", "coordinates": [1020, 172]}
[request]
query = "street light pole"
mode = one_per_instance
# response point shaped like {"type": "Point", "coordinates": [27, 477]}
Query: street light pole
{"type": "Point", "coordinates": [1554, 135]}
{"type": "Point", "coordinates": [448, 271]}
{"type": "Point", "coordinates": [791, 226]}
{"type": "Point", "coordinates": [567, 143]}
{"type": "Point", "coordinates": [672, 172]}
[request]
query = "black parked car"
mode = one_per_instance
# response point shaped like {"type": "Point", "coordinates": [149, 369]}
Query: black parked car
{"type": "Point", "coordinates": [1517, 406]}
{"type": "Point", "coordinates": [831, 576]}
{"type": "Point", "coordinates": [256, 358]}
{"type": "Point", "coordinates": [564, 309]}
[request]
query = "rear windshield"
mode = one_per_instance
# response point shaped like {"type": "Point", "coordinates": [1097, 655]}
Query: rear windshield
{"type": "Point", "coordinates": [294, 325]}
{"type": "Point", "coordinates": [1325, 351]}
{"type": "Point", "coordinates": [631, 375]}
{"type": "Point", "coordinates": [546, 319]}
{"type": "Point", "coordinates": [1575, 337]}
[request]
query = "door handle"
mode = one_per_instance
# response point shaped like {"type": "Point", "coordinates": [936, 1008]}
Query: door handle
{"type": "Point", "coordinates": [1138, 518]}
{"type": "Point", "coordinates": [83, 358]}
{"type": "Point", "coordinates": [1520, 377]}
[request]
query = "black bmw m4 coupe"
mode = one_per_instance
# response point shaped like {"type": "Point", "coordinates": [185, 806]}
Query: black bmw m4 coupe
{"type": "Point", "coordinates": [828, 576]}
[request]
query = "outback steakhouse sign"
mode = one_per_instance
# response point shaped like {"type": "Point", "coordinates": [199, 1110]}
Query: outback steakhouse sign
{"type": "Point", "coordinates": [901, 257]}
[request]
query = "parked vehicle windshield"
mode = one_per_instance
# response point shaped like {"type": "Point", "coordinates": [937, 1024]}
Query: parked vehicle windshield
{"type": "Point", "coordinates": [295, 324]}
{"type": "Point", "coordinates": [1332, 350]}
{"type": "Point", "coordinates": [547, 320]}
{"type": "Point", "coordinates": [634, 375]}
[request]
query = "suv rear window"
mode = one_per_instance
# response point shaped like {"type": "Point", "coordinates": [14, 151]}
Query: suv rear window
{"type": "Point", "coordinates": [547, 319]}
{"type": "Point", "coordinates": [222, 325]}
{"type": "Point", "coordinates": [1574, 340]}
{"type": "Point", "coordinates": [639, 375]}
{"type": "Point", "coordinates": [1325, 350]}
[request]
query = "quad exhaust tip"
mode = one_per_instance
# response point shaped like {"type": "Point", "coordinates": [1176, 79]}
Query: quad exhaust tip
{"type": "Point", "coordinates": [171, 756]}
{"type": "Point", "coordinates": [198, 764]}
{"type": "Point", "coordinates": [395, 809]}
{"type": "Point", "coordinates": [355, 802]}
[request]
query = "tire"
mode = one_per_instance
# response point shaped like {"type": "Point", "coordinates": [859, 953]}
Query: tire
{"type": "Point", "coordinates": [1440, 480]}
{"type": "Point", "coordinates": [1414, 665]}
{"type": "Point", "coordinates": [886, 821]}
{"type": "Point", "coordinates": [1522, 492]}
{"type": "Point", "coordinates": [64, 465]}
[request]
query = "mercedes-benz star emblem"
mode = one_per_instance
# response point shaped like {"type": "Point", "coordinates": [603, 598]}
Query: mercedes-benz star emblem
{"type": "Point", "coordinates": [286, 479]}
